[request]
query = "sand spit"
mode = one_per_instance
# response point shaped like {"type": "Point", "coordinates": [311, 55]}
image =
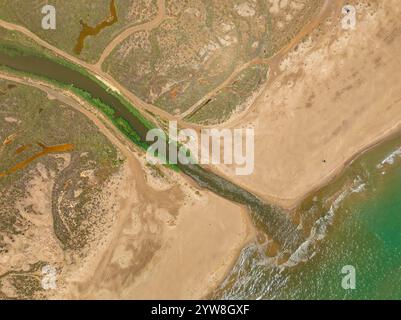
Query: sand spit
{"type": "Point", "coordinates": [336, 94]}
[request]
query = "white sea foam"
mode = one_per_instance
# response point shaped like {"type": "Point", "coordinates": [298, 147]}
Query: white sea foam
{"type": "Point", "coordinates": [390, 158]}
{"type": "Point", "coordinates": [319, 230]}
{"type": "Point", "coordinates": [358, 185]}
{"type": "Point", "coordinates": [359, 188]}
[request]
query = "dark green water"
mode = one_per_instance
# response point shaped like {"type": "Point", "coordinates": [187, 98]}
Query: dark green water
{"type": "Point", "coordinates": [356, 220]}
{"type": "Point", "coordinates": [51, 70]}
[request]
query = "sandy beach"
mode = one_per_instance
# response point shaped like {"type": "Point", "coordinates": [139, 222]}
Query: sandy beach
{"type": "Point", "coordinates": [335, 95]}
{"type": "Point", "coordinates": [169, 240]}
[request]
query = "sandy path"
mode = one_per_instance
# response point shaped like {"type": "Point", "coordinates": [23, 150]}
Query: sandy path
{"type": "Point", "coordinates": [173, 243]}
{"type": "Point", "coordinates": [128, 32]}
{"type": "Point", "coordinates": [94, 69]}
{"type": "Point", "coordinates": [110, 81]}
{"type": "Point", "coordinates": [197, 106]}
{"type": "Point", "coordinates": [272, 62]}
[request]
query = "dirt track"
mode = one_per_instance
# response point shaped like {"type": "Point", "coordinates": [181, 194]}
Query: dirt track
{"type": "Point", "coordinates": [96, 68]}
{"type": "Point", "coordinates": [272, 62]}
{"type": "Point", "coordinates": [128, 32]}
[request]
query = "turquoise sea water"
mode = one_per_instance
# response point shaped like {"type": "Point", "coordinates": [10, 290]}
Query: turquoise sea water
{"type": "Point", "coordinates": [355, 220]}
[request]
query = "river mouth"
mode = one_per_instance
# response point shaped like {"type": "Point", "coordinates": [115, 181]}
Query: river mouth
{"type": "Point", "coordinates": [262, 272]}
{"type": "Point", "coordinates": [272, 220]}
{"type": "Point", "coordinates": [352, 221]}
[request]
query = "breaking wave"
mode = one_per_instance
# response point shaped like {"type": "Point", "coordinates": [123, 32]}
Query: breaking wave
{"type": "Point", "coordinates": [390, 158]}
{"type": "Point", "coordinates": [307, 249]}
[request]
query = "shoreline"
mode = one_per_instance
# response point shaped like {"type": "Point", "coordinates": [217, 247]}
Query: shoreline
{"type": "Point", "coordinates": [224, 249]}
{"type": "Point", "coordinates": [393, 133]}
{"type": "Point", "coordinates": [290, 204]}
{"type": "Point", "coordinates": [157, 281]}
{"type": "Point", "coordinates": [250, 232]}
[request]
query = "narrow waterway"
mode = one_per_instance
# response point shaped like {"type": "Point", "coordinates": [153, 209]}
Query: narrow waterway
{"type": "Point", "coordinates": [272, 220]}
